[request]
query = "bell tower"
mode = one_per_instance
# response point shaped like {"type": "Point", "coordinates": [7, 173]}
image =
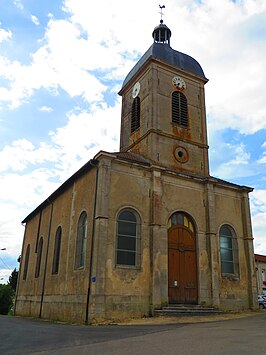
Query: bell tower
{"type": "Point", "coordinates": [163, 108]}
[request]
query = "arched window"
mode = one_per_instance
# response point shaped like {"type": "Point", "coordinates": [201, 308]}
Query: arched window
{"type": "Point", "coordinates": [135, 114]}
{"type": "Point", "coordinates": [81, 241]}
{"type": "Point", "coordinates": [179, 109]}
{"type": "Point", "coordinates": [182, 219]}
{"type": "Point", "coordinates": [39, 257]}
{"type": "Point", "coordinates": [228, 250]}
{"type": "Point", "coordinates": [57, 247]}
{"type": "Point", "coordinates": [27, 256]}
{"type": "Point", "coordinates": [128, 238]}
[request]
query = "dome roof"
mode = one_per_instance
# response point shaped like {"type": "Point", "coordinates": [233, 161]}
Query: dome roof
{"type": "Point", "coordinates": [166, 54]}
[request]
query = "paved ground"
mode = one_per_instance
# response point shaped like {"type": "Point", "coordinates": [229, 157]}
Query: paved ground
{"type": "Point", "coordinates": [244, 334]}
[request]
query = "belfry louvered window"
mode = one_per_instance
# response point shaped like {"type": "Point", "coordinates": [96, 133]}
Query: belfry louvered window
{"type": "Point", "coordinates": [179, 109]}
{"type": "Point", "coordinates": [135, 114]}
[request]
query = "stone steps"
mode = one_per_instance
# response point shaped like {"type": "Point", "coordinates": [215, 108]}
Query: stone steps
{"type": "Point", "coordinates": [175, 310]}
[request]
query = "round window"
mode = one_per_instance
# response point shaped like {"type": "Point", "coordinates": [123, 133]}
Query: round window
{"type": "Point", "coordinates": [181, 154]}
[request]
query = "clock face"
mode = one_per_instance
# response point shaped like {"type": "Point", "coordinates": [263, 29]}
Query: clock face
{"type": "Point", "coordinates": [178, 83]}
{"type": "Point", "coordinates": [136, 89]}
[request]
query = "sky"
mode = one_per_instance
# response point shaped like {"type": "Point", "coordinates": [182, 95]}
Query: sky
{"type": "Point", "coordinates": [62, 63]}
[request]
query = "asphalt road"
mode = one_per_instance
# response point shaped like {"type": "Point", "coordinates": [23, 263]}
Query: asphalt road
{"type": "Point", "coordinates": [235, 336]}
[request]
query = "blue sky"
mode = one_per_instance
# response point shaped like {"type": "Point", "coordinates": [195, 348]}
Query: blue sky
{"type": "Point", "coordinates": [62, 64]}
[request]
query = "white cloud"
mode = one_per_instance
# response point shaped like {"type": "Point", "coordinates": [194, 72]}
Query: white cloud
{"type": "Point", "coordinates": [19, 195]}
{"type": "Point", "coordinates": [24, 184]}
{"type": "Point", "coordinates": [18, 4]}
{"type": "Point", "coordinates": [84, 135]}
{"type": "Point", "coordinates": [35, 20]}
{"type": "Point", "coordinates": [229, 159]}
{"type": "Point", "coordinates": [229, 36]}
{"type": "Point", "coordinates": [22, 152]}
{"type": "Point", "coordinates": [223, 34]}
{"type": "Point", "coordinates": [240, 155]}
{"type": "Point", "coordinates": [46, 109]}
{"type": "Point", "coordinates": [14, 156]}
{"type": "Point", "coordinates": [5, 35]}
{"type": "Point", "coordinates": [263, 159]}
{"type": "Point", "coordinates": [258, 206]}
{"type": "Point", "coordinates": [58, 63]}
{"type": "Point", "coordinates": [4, 273]}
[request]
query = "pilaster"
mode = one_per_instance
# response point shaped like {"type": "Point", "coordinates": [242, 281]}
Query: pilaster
{"type": "Point", "coordinates": [212, 244]}
{"type": "Point", "coordinates": [159, 244]}
{"type": "Point", "coordinates": [249, 252]}
{"type": "Point", "coordinates": [97, 292]}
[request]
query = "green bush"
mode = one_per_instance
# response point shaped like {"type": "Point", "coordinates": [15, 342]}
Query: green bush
{"type": "Point", "coordinates": [6, 298]}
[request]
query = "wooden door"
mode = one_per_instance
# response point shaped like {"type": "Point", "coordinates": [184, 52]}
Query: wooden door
{"type": "Point", "coordinates": [182, 266]}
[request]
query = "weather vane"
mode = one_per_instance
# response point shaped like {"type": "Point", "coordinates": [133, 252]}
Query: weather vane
{"type": "Point", "coordinates": [161, 12]}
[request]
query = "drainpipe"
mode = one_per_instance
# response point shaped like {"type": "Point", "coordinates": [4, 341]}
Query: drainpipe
{"type": "Point", "coordinates": [92, 240]}
{"type": "Point", "coordinates": [46, 256]}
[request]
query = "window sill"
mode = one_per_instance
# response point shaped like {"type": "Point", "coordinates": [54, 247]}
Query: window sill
{"type": "Point", "coordinates": [135, 131]}
{"type": "Point", "coordinates": [129, 267]}
{"type": "Point", "coordinates": [231, 277]}
{"type": "Point", "coordinates": [179, 125]}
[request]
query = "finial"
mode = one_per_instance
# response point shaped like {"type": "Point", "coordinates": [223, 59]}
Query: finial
{"type": "Point", "coordinates": [161, 12]}
{"type": "Point", "coordinates": [161, 34]}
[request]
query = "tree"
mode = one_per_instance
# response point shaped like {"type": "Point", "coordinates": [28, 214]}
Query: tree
{"type": "Point", "coordinates": [6, 298]}
{"type": "Point", "coordinates": [13, 278]}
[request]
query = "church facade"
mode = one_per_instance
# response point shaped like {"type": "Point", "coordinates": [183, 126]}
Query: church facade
{"type": "Point", "coordinates": [136, 230]}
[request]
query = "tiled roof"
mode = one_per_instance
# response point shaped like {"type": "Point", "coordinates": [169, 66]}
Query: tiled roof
{"type": "Point", "coordinates": [259, 257]}
{"type": "Point", "coordinates": [130, 156]}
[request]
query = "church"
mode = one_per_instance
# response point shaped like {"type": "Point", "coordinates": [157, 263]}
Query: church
{"type": "Point", "coordinates": [136, 230]}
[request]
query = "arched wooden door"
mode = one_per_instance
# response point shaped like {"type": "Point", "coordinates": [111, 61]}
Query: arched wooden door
{"type": "Point", "coordinates": [182, 264]}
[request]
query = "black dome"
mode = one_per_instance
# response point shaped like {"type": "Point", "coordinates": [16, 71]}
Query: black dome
{"type": "Point", "coordinates": [167, 55]}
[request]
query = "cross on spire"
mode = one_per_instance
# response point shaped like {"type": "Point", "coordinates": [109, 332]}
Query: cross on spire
{"type": "Point", "coordinates": [161, 12]}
